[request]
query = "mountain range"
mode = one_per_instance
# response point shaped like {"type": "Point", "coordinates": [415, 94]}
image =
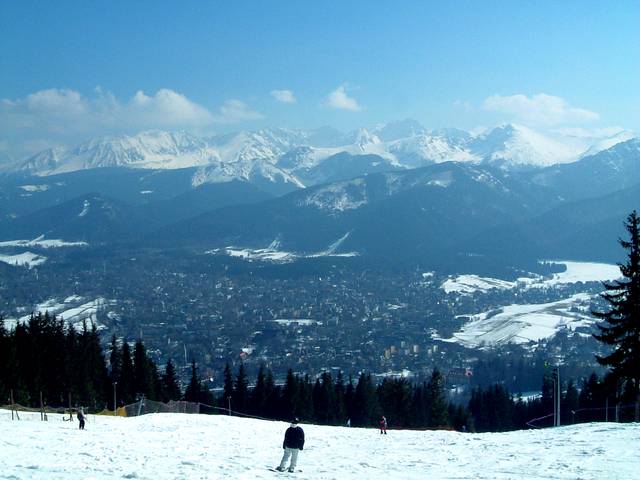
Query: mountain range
{"type": "Point", "coordinates": [394, 192]}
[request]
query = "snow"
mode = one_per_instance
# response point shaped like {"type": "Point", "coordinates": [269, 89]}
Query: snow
{"type": "Point", "coordinates": [85, 208]}
{"type": "Point", "coordinates": [280, 155]}
{"type": "Point", "coordinates": [35, 188]}
{"type": "Point", "coordinates": [524, 323]}
{"type": "Point", "coordinates": [25, 259]}
{"type": "Point", "coordinates": [170, 446]}
{"type": "Point", "coordinates": [42, 243]}
{"type": "Point", "coordinates": [581, 272]}
{"type": "Point", "coordinates": [274, 255]}
{"type": "Point", "coordinates": [74, 310]}
{"type": "Point", "coordinates": [467, 284]}
{"type": "Point", "coordinates": [575, 272]}
{"type": "Point", "coordinates": [297, 321]}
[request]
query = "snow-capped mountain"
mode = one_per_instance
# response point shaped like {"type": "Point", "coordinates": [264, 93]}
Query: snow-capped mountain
{"type": "Point", "coordinates": [513, 146]}
{"type": "Point", "coordinates": [292, 157]}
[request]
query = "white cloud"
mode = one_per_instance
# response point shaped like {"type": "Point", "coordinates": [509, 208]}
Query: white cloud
{"type": "Point", "coordinates": [285, 96]}
{"type": "Point", "coordinates": [63, 116]}
{"type": "Point", "coordinates": [339, 99]}
{"type": "Point", "coordinates": [541, 109]}
{"type": "Point", "coordinates": [235, 111]}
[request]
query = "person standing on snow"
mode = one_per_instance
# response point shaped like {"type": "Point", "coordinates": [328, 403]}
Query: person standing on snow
{"type": "Point", "coordinates": [293, 443]}
{"type": "Point", "coordinates": [383, 425]}
{"type": "Point", "coordinates": [81, 418]}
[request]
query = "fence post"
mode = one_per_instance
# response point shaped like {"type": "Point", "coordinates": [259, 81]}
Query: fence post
{"type": "Point", "coordinates": [12, 406]}
{"type": "Point", "coordinates": [70, 414]}
{"type": "Point", "coordinates": [41, 408]}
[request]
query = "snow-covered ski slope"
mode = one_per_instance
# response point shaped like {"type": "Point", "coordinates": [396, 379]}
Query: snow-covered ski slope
{"type": "Point", "coordinates": [181, 446]}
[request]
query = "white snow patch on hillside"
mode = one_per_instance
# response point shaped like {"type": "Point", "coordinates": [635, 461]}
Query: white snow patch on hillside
{"type": "Point", "coordinates": [580, 272]}
{"type": "Point", "coordinates": [306, 322]}
{"type": "Point", "coordinates": [42, 243]}
{"type": "Point", "coordinates": [85, 208]}
{"type": "Point", "coordinates": [575, 272]}
{"type": "Point", "coordinates": [467, 284]}
{"type": "Point", "coordinates": [74, 310]}
{"type": "Point", "coordinates": [35, 188]}
{"type": "Point", "coordinates": [25, 259]}
{"type": "Point", "coordinates": [274, 255]}
{"type": "Point", "coordinates": [180, 446]}
{"type": "Point", "coordinates": [525, 323]}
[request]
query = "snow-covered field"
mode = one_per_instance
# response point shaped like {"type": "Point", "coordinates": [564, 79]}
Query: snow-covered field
{"type": "Point", "coordinates": [25, 259]}
{"type": "Point", "coordinates": [525, 323]}
{"type": "Point", "coordinates": [574, 273]}
{"type": "Point", "coordinates": [181, 446]}
{"type": "Point", "coordinates": [74, 310]}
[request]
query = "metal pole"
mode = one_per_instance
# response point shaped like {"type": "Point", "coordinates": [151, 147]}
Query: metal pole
{"type": "Point", "coordinates": [229, 404]}
{"type": "Point", "coordinates": [41, 408]}
{"type": "Point", "coordinates": [115, 405]}
{"type": "Point", "coordinates": [606, 409]}
{"type": "Point", "coordinates": [559, 394]}
{"type": "Point", "coordinates": [554, 376]}
{"type": "Point", "coordinates": [12, 407]}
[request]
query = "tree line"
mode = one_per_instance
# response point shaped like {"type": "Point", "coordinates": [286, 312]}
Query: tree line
{"type": "Point", "coordinates": [43, 355]}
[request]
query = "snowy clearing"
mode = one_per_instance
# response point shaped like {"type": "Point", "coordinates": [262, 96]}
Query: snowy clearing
{"type": "Point", "coordinates": [178, 446]}
{"type": "Point", "coordinates": [25, 259]}
{"type": "Point", "coordinates": [575, 272]}
{"type": "Point", "coordinates": [42, 242]}
{"type": "Point", "coordinates": [74, 310]}
{"type": "Point", "coordinates": [525, 323]}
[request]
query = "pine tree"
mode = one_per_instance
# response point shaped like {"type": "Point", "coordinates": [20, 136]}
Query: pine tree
{"type": "Point", "coordinates": [126, 386]}
{"type": "Point", "coordinates": [257, 398]}
{"type": "Point", "coordinates": [115, 363]}
{"type": "Point", "coordinates": [227, 392]}
{"type": "Point", "coordinates": [289, 397]}
{"type": "Point", "coordinates": [240, 394]}
{"type": "Point", "coordinates": [170, 385]}
{"type": "Point", "coordinates": [192, 393]}
{"type": "Point", "coordinates": [437, 410]}
{"type": "Point", "coordinates": [366, 410]}
{"type": "Point", "coordinates": [621, 323]}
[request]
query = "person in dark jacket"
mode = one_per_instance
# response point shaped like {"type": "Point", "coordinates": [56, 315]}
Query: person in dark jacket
{"type": "Point", "coordinates": [81, 418]}
{"type": "Point", "coordinates": [293, 443]}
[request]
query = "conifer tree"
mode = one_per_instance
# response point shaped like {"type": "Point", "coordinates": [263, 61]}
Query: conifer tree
{"type": "Point", "coordinates": [620, 325]}
{"type": "Point", "coordinates": [365, 403]}
{"type": "Point", "coordinates": [289, 397]}
{"type": "Point", "coordinates": [437, 410]}
{"type": "Point", "coordinates": [126, 387]}
{"type": "Point", "coordinates": [170, 386]}
{"type": "Point", "coordinates": [272, 396]}
{"type": "Point", "coordinates": [115, 361]}
{"type": "Point", "coordinates": [258, 396]}
{"type": "Point", "coordinates": [304, 404]}
{"type": "Point", "coordinates": [192, 393]}
{"type": "Point", "coordinates": [227, 392]}
{"type": "Point", "coordinates": [240, 394]}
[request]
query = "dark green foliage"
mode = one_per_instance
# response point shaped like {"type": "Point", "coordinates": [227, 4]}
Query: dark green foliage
{"type": "Point", "coordinates": [395, 399]}
{"type": "Point", "coordinates": [366, 410]}
{"type": "Point", "coordinates": [170, 386]}
{"type": "Point", "coordinates": [437, 411]}
{"type": "Point", "coordinates": [240, 394]}
{"type": "Point", "coordinates": [227, 393]}
{"type": "Point", "coordinates": [192, 393]}
{"type": "Point", "coordinates": [620, 325]}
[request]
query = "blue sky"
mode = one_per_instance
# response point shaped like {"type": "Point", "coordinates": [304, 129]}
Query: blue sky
{"type": "Point", "coordinates": [71, 70]}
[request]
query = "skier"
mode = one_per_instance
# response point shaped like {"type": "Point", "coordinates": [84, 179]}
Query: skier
{"type": "Point", "coordinates": [383, 425]}
{"type": "Point", "coordinates": [293, 443]}
{"type": "Point", "coordinates": [81, 418]}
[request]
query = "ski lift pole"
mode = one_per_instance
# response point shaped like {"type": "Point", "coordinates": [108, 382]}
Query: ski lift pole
{"type": "Point", "coordinates": [559, 395]}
